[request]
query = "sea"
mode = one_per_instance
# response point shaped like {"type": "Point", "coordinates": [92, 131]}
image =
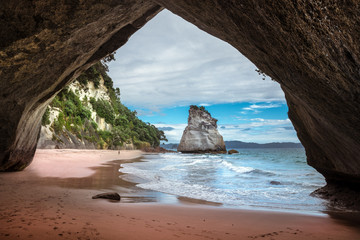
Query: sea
{"type": "Point", "coordinates": [273, 179]}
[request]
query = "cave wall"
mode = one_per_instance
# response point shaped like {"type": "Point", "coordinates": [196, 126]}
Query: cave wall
{"type": "Point", "coordinates": [46, 44]}
{"type": "Point", "coordinates": [310, 47]}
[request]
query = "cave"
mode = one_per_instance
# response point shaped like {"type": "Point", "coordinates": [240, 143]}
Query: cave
{"type": "Point", "coordinates": [310, 48]}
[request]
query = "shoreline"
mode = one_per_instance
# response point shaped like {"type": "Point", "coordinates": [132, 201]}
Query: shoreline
{"type": "Point", "coordinates": [147, 176]}
{"type": "Point", "coordinates": [178, 199]}
{"type": "Point", "coordinates": [38, 204]}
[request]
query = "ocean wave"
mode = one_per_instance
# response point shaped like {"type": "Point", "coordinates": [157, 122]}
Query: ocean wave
{"type": "Point", "coordinates": [195, 191]}
{"type": "Point", "coordinates": [139, 173]}
{"type": "Point", "coordinates": [172, 168]}
{"type": "Point", "coordinates": [262, 172]}
{"type": "Point", "coordinates": [202, 163]}
{"type": "Point", "coordinates": [238, 169]}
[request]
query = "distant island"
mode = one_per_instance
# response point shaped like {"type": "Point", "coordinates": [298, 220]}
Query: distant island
{"type": "Point", "coordinates": [240, 144]}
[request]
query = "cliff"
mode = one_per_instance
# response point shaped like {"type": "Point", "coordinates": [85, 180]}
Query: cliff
{"type": "Point", "coordinates": [88, 114]}
{"type": "Point", "coordinates": [201, 134]}
{"type": "Point", "coordinates": [87, 135]}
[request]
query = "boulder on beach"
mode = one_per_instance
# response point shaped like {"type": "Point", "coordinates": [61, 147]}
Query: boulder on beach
{"type": "Point", "coordinates": [109, 195]}
{"type": "Point", "coordinates": [201, 134]}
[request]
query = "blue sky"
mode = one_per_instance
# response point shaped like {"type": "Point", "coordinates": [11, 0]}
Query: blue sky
{"type": "Point", "coordinates": [170, 64]}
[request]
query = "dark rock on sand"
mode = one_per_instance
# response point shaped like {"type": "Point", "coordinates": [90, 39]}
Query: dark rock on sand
{"type": "Point", "coordinates": [110, 195]}
{"type": "Point", "coordinates": [232, 151]}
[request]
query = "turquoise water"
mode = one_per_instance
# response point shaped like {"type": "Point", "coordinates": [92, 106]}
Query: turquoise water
{"type": "Point", "coordinates": [260, 178]}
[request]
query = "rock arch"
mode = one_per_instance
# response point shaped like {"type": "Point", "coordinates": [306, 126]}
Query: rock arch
{"type": "Point", "coordinates": [310, 47]}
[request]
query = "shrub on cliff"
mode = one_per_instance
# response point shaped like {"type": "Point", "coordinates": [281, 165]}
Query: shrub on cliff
{"type": "Point", "coordinates": [103, 109]}
{"type": "Point", "coordinates": [202, 108]}
{"type": "Point", "coordinates": [46, 117]}
{"type": "Point", "coordinates": [91, 74]}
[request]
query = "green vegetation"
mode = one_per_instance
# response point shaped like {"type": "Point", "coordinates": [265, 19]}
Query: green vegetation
{"type": "Point", "coordinates": [94, 74]}
{"type": "Point", "coordinates": [46, 117]}
{"type": "Point", "coordinates": [202, 108]}
{"type": "Point", "coordinates": [73, 113]}
{"type": "Point", "coordinates": [75, 116]}
{"type": "Point", "coordinates": [103, 109]}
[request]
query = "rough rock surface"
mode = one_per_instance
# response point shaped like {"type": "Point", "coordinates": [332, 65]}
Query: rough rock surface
{"type": "Point", "coordinates": [339, 197]}
{"type": "Point", "coordinates": [310, 47]}
{"type": "Point", "coordinates": [66, 140]}
{"type": "Point", "coordinates": [43, 46]}
{"type": "Point", "coordinates": [201, 134]}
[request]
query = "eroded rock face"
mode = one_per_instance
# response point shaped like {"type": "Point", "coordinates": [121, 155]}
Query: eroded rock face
{"type": "Point", "coordinates": [43, 46]}
{"type": "Point", "coordinates": [310, 47]}
{"type": "Point", "coordinates": [201, 134]}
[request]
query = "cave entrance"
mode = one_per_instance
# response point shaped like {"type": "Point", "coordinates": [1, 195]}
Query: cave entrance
{"type": "Point", "coordinates": [168, 65]}
{"type": "Point", "coordinates": [316, 74]}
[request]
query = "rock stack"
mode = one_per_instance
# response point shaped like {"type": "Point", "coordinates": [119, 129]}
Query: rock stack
{"type": "Point", "coordinates": [201, 134]}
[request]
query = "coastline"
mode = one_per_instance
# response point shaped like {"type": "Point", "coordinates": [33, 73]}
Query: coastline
{"type": "Point", "coordinates": [38, 203]}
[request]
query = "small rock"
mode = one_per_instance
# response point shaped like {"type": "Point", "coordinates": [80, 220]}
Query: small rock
{"type": "Point", "coordinates": [275, 183]}
{"type": "Point", "coordinates": [232, 151]}
{"type": "Point", "coordinates": [110, 195]}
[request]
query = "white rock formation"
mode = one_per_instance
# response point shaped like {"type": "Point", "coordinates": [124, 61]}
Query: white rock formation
{"type": "Point", "coordinates": [201, 134]}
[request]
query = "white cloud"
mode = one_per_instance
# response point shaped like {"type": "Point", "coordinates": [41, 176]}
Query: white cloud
{"type": "Point", "coordinates": [260, 122]}
{"type": "Point", "coordinates": [170, 62]}
{"type": "Point", "coordinates": [261, 131]}
{"type": "Point", "coordinates": [270, 105]}
{"type": "Point", "coordinates": [254, 108]}
{"type": "Point", "coordinates": [151, 111]}
{"type": "Point", "coordinates": [204, 104]}
{"type": "Point", "coordinates": [173, 132]}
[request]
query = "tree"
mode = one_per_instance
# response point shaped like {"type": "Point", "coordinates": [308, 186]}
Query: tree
{"type": "Point", "coordinates": [117, 93]}
{"type": "Point", "coordinates": [46, 117]}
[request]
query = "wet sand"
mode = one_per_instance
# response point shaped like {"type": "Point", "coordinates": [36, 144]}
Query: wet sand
{"type": "Point", "coordinates": [52, 200]}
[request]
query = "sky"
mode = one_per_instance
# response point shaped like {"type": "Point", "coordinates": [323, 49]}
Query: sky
{"type": "Point", "coordinates": [170, 64]}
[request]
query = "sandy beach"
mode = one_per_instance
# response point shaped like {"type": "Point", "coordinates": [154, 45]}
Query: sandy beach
{"type": "Point", "coordinates": [51, 199]}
